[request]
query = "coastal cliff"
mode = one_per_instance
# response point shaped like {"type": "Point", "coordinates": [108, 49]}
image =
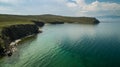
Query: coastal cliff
{"type": "Point", "coordinates": [38, 23]}
{"type": "Point", "coordinates": [12, 33]}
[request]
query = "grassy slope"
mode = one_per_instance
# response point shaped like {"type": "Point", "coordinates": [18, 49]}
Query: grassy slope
{"type": "Point", "coordinates": [20, 19]}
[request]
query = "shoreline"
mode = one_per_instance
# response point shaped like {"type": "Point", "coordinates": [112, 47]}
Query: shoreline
{"type": "Point", "coordinates": [13, 45]}
{"type": "Point", "coordinates": [12, 35]}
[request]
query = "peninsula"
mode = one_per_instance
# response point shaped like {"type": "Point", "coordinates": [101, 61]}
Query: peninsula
{"type": "Point", "coordinates": [13, 26]}
{"type": "Point", "coordinates": [47, 18]}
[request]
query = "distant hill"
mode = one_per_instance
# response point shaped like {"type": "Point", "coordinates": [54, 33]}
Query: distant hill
{"type": "Point", "coordinates": [6, 19]}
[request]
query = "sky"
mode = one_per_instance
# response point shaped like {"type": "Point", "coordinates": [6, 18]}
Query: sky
{"type": "Point", "coordinates": [61, 7]}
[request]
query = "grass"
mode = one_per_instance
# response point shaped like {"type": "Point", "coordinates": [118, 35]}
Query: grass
{"type": "Point", "coordinates": [7, 20]}
{"type": "Point", "coordinates": [46, 18]}
{"type": "Point", "coordinates": [5, 24]}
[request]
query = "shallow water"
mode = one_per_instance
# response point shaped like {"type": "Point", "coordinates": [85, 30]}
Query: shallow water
{"type": "Point", "coordinates": [69, 45]}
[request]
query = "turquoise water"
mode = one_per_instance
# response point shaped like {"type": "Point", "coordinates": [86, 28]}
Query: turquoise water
{"type": "Point", "coordinates": [69, 45]}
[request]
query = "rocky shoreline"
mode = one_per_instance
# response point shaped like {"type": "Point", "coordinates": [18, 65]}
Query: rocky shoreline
{"type": "Point", "coordinates": [10, 36]}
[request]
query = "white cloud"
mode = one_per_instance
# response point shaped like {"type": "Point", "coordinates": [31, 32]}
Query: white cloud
{"type": "Point", "coordinates": [101, 6]}
{"type": "Point", "coordinates": [80, 3]}
{"type": "Point", "coordinates": [37, 7]}
{"type": "Point", "coordinates": [71, 5]}
{"type": "Point", "coordinates": [62, 7]}
{"type": "Point", "coordinates": [96, 8]}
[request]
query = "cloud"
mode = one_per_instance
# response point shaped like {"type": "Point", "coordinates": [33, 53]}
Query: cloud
{"type": "Point", "coordinates": [101, 6]}
{"type": "Point", "coordinates": [71, 5]}
{"type": "Point", "coordinates": [61, 7]}
{"type": "Point", "coordinates": [96, 8]}
{"type": "Point", "coordinates": [36, 7]}
{"type": "Point", "coordinates": [81, 3]}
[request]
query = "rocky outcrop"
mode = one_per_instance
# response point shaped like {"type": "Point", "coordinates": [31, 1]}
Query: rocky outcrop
{"type": "Point", "coordinates": [56, 22]}
{"type": "Point", "coordinates": [38, 23]}
{"type": "Point", "coordinates": [18, 31]}
{"type": "Point", "coordinates": [2, 51]}
{"type": "Point", "coordinates": [96, 21]}
{"type": "Point", "coordinates": [15, 32]}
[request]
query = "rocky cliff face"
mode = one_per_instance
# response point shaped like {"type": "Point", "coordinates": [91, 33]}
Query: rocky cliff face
{"type": "Point", "coordinates": [14, 32]}
{"type": "Point", "coordinates": [2, 52]}
{"type": "Point", "coordinates": [38, 23]}
{"type": "Point", "coordinates": [56, 22]}
{"type": "Point", "coordinates": [18, 31]}
{"type": "Point", "coordinates": [96, 21]}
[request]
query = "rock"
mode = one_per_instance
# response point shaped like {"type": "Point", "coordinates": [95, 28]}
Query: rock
{"type": "Point", "coordinates": [11, 34]}
{"type": "Point", "coordinates": [96, 21]}
{"type": "Point", "coordinates": [9, 54]}
{"type": "Point", "coordinates": [38, 23]}
{"type": "Point", "coordinates": [2, 52]}
{"type": "Point", "coordinates": [57, 22]}
{"type": "Point", "coordinates": [15, 32]}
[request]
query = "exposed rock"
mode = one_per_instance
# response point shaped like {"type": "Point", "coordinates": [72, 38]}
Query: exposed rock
{"type": "Point", "coordinates": [56, 22]}
{"type": "Point", "coordinates": [10, 34]}
{"type": "Point", "coordinates": [15, 32]}
{"type": "Point", "coordinates": [96, 21]}
{"type": "Point", "coordinates": [2, 51]}
{"type": "Point", "coordinates": [38, 23]}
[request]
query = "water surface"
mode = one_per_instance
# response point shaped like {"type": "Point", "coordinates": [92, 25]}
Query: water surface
{"type": "Point", "coordinates": [69, 45]}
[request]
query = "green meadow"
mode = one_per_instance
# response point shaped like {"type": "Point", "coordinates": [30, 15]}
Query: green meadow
{"type": "Point", "coordinates": [6, 20]}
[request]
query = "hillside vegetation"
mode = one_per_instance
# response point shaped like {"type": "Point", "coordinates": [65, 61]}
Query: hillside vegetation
{"type": "Point", "coordinates": [47, 18]}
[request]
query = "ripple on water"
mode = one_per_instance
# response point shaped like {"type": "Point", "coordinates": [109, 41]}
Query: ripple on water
{"type": "Point", "coordinates": [69, 45]}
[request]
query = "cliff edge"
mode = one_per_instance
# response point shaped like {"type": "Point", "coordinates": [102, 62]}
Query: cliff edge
{"type": "Point", "coordinates": [12, 33]}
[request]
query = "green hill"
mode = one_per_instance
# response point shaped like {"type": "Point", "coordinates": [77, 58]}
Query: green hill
{"type": "Point", "coordinates": [47, 18]}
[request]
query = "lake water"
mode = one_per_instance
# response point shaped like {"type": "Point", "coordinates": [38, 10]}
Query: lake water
{"type": "Point", "coordinates": [69, 45]}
